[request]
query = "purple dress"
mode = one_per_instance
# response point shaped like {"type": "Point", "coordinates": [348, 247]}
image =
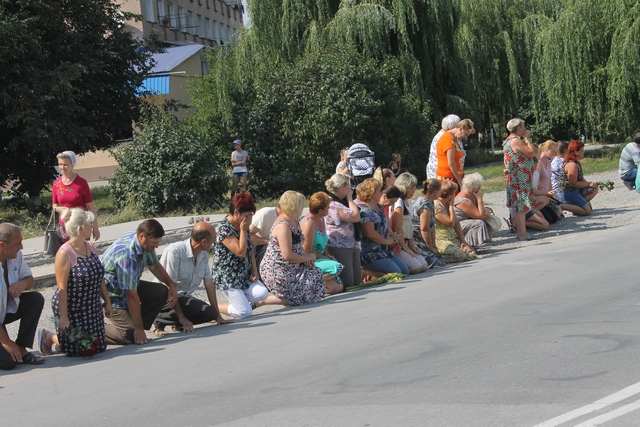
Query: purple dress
{"type": "Point", "coordinates": [296, 283]}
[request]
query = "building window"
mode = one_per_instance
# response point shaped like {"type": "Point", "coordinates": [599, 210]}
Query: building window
{"type": "Point", "coordinates": [183, 19]}
{"type": "Point", "coordinates": [221, 8]}
{"type": "Point", "coordinates": [200, 27]}
{"type": "Point", "coordinates": [190, 22]}
{"type": "Point", "coordinates": [208, 5]}
{"type": "Point", "coordinates": [161, 11]}
{"type": "Point", "coordinates": [216, 32]}
{"type": "Point", "coordinates": [229, 32]}
{"type": "Point", "coordinates": [223, 36]}
{"type": "Point", "coordinates": [148, 11]}
{"type": "Point", "coordinates": [207, 23]}
{"type": "Point", "coordinates": [172, 15]}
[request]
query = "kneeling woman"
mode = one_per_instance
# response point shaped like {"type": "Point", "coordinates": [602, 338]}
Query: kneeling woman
{"type": "Point", "coordinates": [234, 265]}
{"type": "Point", "coordinates": [286, 268]}
{"type": "Point", "coordinates": [376, 257]}
{"type": "Point", "coordinates": [449, 236]}
{"type": "Point", "coordinates": [315, 241]}
{"type": "Point", "coordinates": [574, 191]}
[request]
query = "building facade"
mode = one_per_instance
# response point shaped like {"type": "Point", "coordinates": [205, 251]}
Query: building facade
{"type": "Point", "coordinates": [180, 22]}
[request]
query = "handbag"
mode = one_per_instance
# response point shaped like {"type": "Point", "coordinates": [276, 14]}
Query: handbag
{"type": "Point", "coordinates": [52, 237]}
{"type": "Point", "coordinates": [493, 222]}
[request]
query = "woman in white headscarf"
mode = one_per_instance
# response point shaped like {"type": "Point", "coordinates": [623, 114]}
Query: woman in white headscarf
{"type": "Point", "coordinates": [72, 191]}
{"type": "Point", "coordinates": [448, 123]}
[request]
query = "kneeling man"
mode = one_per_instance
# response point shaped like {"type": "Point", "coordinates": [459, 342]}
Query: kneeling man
{"type": "Point", "coordinates": [187, 263]}
{"type": "Point", "coordinates": [136, 303]}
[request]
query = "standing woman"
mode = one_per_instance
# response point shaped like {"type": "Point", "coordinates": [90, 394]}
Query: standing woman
{"type": "Point", "coordinates": [72, 191]}
{"type": "Point", "coordinates": [448, 123]}
{"type": "Point", "coordinates": [341, 222]}
{"type": "Point", "coordinates": [287, 270]}
{"type": "Point", "coordinates": [234, 268]}
{"type": "Point", "coordinates": [519, 152]}
{"type": "Point", "coordinates": [574, 191]}
{"type": "Point", "coordinates": [315, 241]}
{"type": "Point", "coordinates": [450, 152]}
{"type": "Point", "coordinates": [80, 279]}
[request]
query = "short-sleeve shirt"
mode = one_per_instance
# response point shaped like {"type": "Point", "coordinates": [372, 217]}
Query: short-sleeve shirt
{"type": "Point", "coordinates": [229, 271]}
{"type": "Point", "coordinates": [264, 219]}
{"type": "Point", "coordinates": [75, 195]}
{"type": "Point", "coordinates": [446, 143]}
{"type": "Point", "coordinates": [371, 251]}
{"type": "Point", "coordinates": [556, 167]}
{"type": "Point", "coordinates": [124, 261]}
{"type": "Point", "coordinates": [341, 234]}
{"type": "Point", "coordinates": [629, 159]}
{"type": "Point", "coordinates": [432, 165]}
{"type": "Point", "coordinates": [177, 260]}
{"type": "Point", "coordinates": [17, 270]}
{"type": "Point", "coordinates": [238, 157]}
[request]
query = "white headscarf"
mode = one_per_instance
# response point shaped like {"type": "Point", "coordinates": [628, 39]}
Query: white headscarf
{"type": "Point", "coordinates": [71, 155]}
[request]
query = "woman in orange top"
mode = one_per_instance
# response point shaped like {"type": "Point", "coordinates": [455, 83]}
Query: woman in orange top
{"type": "Point", "coordinates": [450, 152]}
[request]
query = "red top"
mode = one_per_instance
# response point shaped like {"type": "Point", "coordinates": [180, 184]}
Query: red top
{"type": "Point", "coordinates": [75, 195]}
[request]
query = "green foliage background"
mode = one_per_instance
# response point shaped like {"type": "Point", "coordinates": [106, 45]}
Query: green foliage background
{"type": "Point", "coordinates": [309, 77]}
{"type": "Point", "coordinates": [167, 168]}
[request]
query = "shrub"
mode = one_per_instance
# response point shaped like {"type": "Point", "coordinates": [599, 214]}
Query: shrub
{"type": "Point", "coordinates": [166, 168]}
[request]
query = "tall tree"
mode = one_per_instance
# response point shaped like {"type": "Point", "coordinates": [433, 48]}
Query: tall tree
{"type": "Point", "coordinates": [68, 80]}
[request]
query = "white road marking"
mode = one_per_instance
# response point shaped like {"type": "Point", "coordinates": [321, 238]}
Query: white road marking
{"type": "Point", "coordinates": [616, 397]}
{"type": "Point", "coordinates": [601, 419]}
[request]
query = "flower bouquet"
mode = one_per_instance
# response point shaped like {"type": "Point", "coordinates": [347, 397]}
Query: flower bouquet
{"type": "Point", "coordinates": [605, 184]}
{"type": "Point", "coordinates": [86, 343]}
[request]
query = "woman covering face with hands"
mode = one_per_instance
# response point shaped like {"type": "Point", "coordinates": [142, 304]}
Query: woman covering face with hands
{"type": "Point", "coordinates": [234, 268]}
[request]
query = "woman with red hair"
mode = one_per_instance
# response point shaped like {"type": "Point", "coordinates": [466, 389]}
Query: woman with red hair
{"type": "Point", "coordinates": [574, 191]}
{"type": "Point", "coordinates": [234, 265]}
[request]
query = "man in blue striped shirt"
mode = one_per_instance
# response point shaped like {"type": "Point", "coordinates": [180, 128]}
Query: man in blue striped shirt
{"type": "Point", "coordinates": [136, 303]}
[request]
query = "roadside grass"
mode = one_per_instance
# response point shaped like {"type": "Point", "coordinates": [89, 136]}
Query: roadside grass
{"type": "Point", "coordinates": [33, 220]}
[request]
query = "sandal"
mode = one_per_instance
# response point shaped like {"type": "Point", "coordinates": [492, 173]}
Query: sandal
{"type": "Point", "coordinates": [43, 347]}
{"type": "Point", "coordinates": [31, 359]}
{"type": "Point", "coordinates": [512, 228]}
{"type": "Point", "coordinates": [526, 239]}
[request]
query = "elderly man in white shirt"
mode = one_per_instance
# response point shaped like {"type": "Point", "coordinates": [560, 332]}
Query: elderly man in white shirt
{"type": "Point", "coordinates": [15, 304]}
{"type": "Point", "coordinates": [187, 263]}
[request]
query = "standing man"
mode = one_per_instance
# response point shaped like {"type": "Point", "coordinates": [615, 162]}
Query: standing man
{"type": "Point", "coordinates": [15, 304]}
{"type": "Point", "coordinates": [629, 160]}
{"type": "Point", "coordinates": [187, 263]}
{"type": "Point", "coordinates": [136, 303]}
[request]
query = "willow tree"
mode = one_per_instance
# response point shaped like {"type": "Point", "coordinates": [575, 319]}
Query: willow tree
{"type": "Point", "coordinates": [494, 41]}
{"type": "Point", "coordinates": [585, 68]}
{"type": "Point", "coordinates": [267, 60]}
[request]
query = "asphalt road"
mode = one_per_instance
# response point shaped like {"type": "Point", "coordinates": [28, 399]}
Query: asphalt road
{"type": "Point", "coordinates": [546, 333]}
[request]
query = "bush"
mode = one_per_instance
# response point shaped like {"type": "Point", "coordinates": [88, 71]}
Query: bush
{"type": "Point", "coordinates": [166, 168]}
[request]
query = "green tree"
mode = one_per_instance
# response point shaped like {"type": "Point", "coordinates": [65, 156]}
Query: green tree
{"type": "Point", "coordinates": [68, 80]}
{"type": "Point", "coordinates": [166, 168]}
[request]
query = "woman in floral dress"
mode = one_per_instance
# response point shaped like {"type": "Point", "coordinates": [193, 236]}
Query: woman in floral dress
{"type": "Point", "coordinates": [449, 237]}
{"type": "Point", "coordinates": [518, 160]}
{"type": "Point", "coordinates": [80, 279]}
{"type": "Point", "coordinates": [234, 268]}
{"type": "Point", "coordinates": [287, 270]}
{"type": "Point", "coordinates": [375, 256]}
